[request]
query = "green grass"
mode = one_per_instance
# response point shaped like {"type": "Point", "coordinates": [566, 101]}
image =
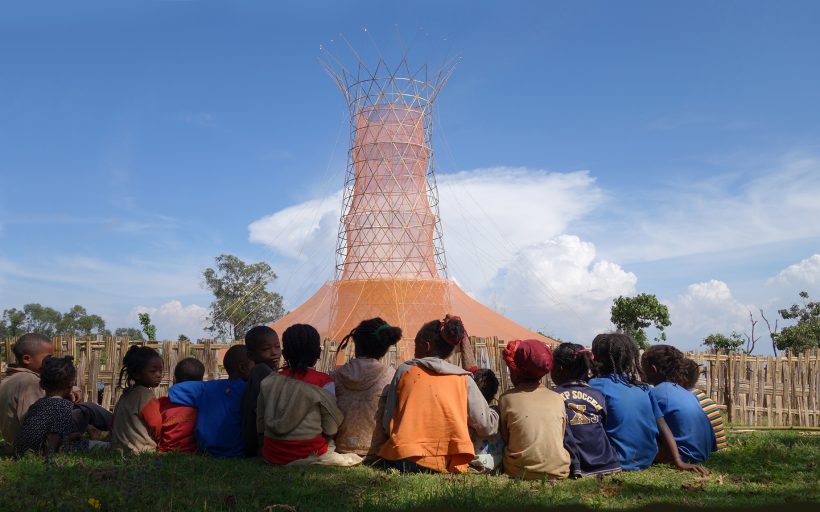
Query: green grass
{"type": "Point", "coordinates": [760, 468]}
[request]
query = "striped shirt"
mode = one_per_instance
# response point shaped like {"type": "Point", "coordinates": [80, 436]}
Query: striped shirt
{"type": "Point", "coordinates": [715, 418]}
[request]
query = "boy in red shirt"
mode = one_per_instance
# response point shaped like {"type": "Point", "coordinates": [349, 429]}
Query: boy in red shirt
{"type": "Point", "coordinates": [179, 421]}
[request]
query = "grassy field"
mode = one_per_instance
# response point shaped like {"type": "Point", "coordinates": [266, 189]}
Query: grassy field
{"type": "Point", "coordinates": [760, 468]}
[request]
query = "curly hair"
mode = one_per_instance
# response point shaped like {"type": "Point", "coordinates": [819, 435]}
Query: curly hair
{"type": "Point", "coordinates": [689, 375]}
{"type": "Point", "coordinates": [135, 361]}
{"type": "Point", "coordinates": [57, 373]}
{"type": "Point", "coordinates": [445, 335]}
{"type": "Point", "coordinates": [189, 369]}
{"type": "Point", "coordinates": [575, 360]}
{"type": "Point", "coordinates": [373, 338]}
{"type": "Point", "coordinates": [616, 354]}
{"type": "Point", "coordinates": [667, 360]}
{"type": "Point", "coordinates": [301, 346]}
{"type": "Point", "coordinates": [27, 344]}
{"type": "Point", "coordinates": [487, 383]}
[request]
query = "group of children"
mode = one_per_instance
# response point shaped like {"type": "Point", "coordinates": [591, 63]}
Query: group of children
{"type": "Point", "coordinates": [610, 410]}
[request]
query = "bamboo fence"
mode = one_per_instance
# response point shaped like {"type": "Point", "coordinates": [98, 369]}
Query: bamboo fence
{"type": "Point", "coordinates": [752, 390]}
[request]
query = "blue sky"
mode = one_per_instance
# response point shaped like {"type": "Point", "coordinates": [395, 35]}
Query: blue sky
{"type": "Point", "coordinates": [637, 146]}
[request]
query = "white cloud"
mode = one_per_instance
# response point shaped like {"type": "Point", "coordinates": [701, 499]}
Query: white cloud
{"type": "Point", "coordinates": [806, 272]}
{"type": "Point", "coordinates": [728, 212]}
{"type": "Point", "coordinates": [558, 286]}
{"type": "Point", "coordinates": [706, 308]}
{"type": "Point", "coordinates": [173, 319]}
{"type": "Point", "coordinates": [487, 215]}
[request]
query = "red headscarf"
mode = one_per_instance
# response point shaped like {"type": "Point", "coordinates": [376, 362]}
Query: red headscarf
{"type": "Point", "coordinates": [530, 359]}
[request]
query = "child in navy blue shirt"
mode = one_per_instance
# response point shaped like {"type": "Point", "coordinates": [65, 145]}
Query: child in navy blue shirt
{"type": "Point", "coordinates": [218, 402]}
{"type": "Point", "coordinates": [587, 442]}
{"type": "Point", "coordinates": [634, 421]}
{"type": "Point", "coordinates": [663, 366]}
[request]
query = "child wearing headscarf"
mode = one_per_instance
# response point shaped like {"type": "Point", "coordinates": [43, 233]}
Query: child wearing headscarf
{"type": "Point", "coordinates": [533, 419]}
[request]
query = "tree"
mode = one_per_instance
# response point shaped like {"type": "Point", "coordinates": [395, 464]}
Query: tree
{"type": "Point", "coordinates": [805, 334]}
{"type": "Point", "coordinates": [128, 332]}
{"type": "Point", "coordinates": [183, 338]}
{"type": "Point", "coordinates": [632, 315]}
{"type": "Point", "coordinates": [721, 342]}
{"type": "Point", "coordinates": [12, 323]}
{"type": "Point", "coordinates": [77, 322]}
{"type": "Point", "coordinates": [148, 328]}
{"type": "Point", "coordinates": [241, 298]}
{"type": "Point", "coordinates": [41, 319]}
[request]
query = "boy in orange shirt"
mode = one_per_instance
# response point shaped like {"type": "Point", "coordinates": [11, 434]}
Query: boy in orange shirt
{"type": "Point", "coordinates": [179, 421]}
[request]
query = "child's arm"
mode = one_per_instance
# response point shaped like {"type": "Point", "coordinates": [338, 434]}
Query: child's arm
{"type": "Point", "coordinates": [669, 441]}
{"type": "Point", "coordinates": [152, 417]}
{"type": "Point", "coordinates": [468, 361]}
{"type": "Point", "coordinates": [332, 416]}
{"type": "Point", "coordinates": [186, 393]}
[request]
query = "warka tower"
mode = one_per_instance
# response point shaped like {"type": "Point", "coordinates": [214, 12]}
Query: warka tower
{"type": "Point", "coordinates": [390, 259]}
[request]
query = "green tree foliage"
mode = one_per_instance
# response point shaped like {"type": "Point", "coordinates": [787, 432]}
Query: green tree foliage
{"type": "Point", "coordinates": [805, 334]}
{"type": "Point", "coordinates": [148, 328]}
{"type": "Point", "coordinates": [634, 314]}
{"type": "Point", "coordinates": [184, 338]}
{"type": "Point", "coordinates": [129, 333]}
{"type": "Point", "coordinates": [723, 343]}
{"type": "Point", "coordinates": [50, 322]}
{"type": "Point", "coordinates": [241, 298]}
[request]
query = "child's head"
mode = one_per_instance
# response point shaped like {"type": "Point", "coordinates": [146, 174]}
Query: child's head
{"type": "Point", "coordinates": [31, 349]}
{"type": "Point", "coordinates": [301, 346]}
{"type": "Point", "coordinates": [237, 363]}
{"type": "Point", "coordinates": [373, 338]}
{"type": "Point", "coordinates": [487, 383]}
{"type": "Point", "coordinates": [58, 376]}
{"type": "Point", "coordinates": [662, 363]}
{"type": "Point", "coordinates": [689, 375]}
{"type": "Point", "coordinates": [141, 365]}
{"type": "Point", "coordinates": [528, 361]}
{"type": "Point", "coordinates": [616, 353]}
{"type": "Point", "coordinates": [189, 369]}
{"type": "Point", "coordinates": [571, 362]}
{"type": "Point", "coordinates": [263, 346]}
{"type": "Point", "coordinates": [439, 338]}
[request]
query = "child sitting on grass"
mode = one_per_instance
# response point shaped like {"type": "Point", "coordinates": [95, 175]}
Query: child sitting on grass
{"type": "Point", "coordinates": [218, 402]}
{"type": "Point", "coordinates": [361, 384]}
{"type": "Point", "coordinates": [137, 422]}
{"type": "Point", "coordinates": [688, 380]}
{"type": "Point", "coordinates": [301, 348]}
{"type": "Point", "coordinates": [633, 419]}
{"type": "Point", "coordinates": [48, 425]}
{"type": "Point", "coordinates": [265, 351]}
{"type": "Point", "coordinates": [295, 412]}
{"type": "Point", "coordinates": [431, 405]}
{"type": "Point", "coordinates": [489, 451]}
{"type": "Point", "coordinates": [663, 367]}
{"type": "Point", "coordinates": [587, 442]}
{"type": "Point", "coordinates": [179, 421]}
{"type": "Point", "coordinates": [21, 386]}
{"type": "Point", "coordinates": [533, 418]}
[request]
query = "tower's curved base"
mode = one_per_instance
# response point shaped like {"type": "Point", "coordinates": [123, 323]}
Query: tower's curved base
{"type": "Point", "coordinates": [339, 306]}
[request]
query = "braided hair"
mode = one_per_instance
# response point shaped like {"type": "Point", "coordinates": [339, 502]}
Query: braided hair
{"type": "Point", "coordinates": [136, 360]}
{"type": "Point", "coordinates": [57, 373]}
{"type": "Point", "coordinates": [444, 335]}
{"type": "Point", "coordinates": [301, 346]}
{"type": "Point", "coordinates": [372, 338]}
{"type": "Point", "coordinates": [667, 360]}
{"type": "Point", "coordinates": [690, 372]}
{"type": "Point", "coordinates": [616, 354]}
{"type": "Point", "coordinates": [574, 361]}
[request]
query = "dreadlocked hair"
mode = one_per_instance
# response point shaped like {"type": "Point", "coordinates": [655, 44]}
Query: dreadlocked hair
{"type": "Point", "coordinates": [445, 335]}
{"type": "Point", "coordinates": [616, 354]}
{"type": "Point", "coordinates": [690, 372]}
{"type": "Point", "coordinates": [373, 338]}
{"type": "Point", "coordinates": [667, 360]}
{"type": "Point", "coordinates": [135, 361]}
{"type": "Point", "coordinates": [301, 346]}
{"type": "Point", "coordinates": [57, 373]}
{"type": "Point", "coordinates": [574, 360]}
